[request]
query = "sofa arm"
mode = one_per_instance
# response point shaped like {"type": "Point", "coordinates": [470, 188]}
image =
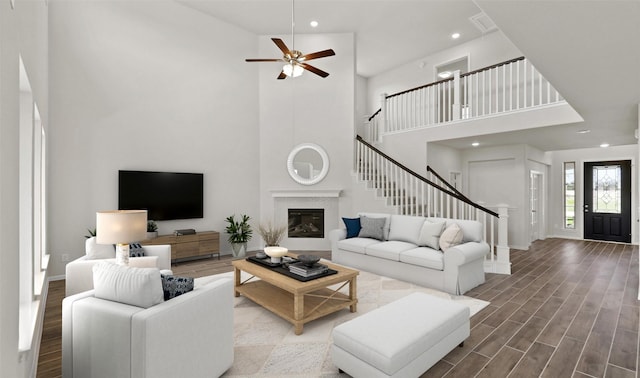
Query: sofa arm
{"type": "Point", "coordinates": [337, 234]}
{"type": "Point", "coordinates": [67, 331]}
{"type": "Point", "coordinates": [163, 251]}
{"type": "Point", "coordinates": [196, 326]}
{"type": "Point", "coordinates": [465, 253]}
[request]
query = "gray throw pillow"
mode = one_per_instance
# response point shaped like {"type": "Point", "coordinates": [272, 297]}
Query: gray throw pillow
{"type": "Point", "coordinates": [372, 228]}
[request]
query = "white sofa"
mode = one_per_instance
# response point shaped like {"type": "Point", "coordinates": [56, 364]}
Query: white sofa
{"type": "Point", "coordinates": [398, 254]}
{"type": "Point", "coordinates": [190, 335]}
{"type": "Point", "coordinates": [79, 275]}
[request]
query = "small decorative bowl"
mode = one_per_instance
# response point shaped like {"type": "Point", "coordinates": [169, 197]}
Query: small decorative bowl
{"type": "Point", "coordinates": [309, 260]}
{"type": "Point", "coordinates": [261, 255]}
{"type": "Point", "coordinates": [275, 253]}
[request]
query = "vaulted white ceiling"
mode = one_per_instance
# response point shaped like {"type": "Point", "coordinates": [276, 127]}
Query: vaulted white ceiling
{"type": "Point", "coordinates": [588, 49]}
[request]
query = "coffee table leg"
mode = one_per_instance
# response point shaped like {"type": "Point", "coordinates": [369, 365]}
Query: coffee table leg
{"type": "Point", "coordinates": [237, 273]}
{"type": "Point", "coordinates": [353, 295]}
{"type": "Point", "coordinates": [298, 312]}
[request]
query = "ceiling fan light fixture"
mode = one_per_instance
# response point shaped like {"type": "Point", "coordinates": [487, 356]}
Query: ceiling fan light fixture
{"type": "Point", "coordinates": [292, 70]}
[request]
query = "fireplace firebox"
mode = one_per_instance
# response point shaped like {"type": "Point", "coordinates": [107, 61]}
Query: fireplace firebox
{"type": "Point", "coordinates": [306, 223]}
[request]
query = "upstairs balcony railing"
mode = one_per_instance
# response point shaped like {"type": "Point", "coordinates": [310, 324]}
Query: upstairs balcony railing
{"type": "Point", "coordinates": [509, 86]}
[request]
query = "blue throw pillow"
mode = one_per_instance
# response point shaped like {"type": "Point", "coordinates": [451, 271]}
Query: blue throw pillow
{"type": "Point", "coordinates": [353, 226]}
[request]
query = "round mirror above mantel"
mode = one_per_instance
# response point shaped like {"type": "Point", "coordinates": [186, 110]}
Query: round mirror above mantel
{"type": "Point", "coordinates": [308, 164]}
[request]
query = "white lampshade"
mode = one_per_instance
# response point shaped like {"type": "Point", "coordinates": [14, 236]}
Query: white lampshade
{"type": "Point", "coordinates": [121, 226]}
{"type": "Point", "coordinates": [292, 70]}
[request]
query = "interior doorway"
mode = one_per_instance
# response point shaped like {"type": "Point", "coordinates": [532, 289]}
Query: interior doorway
{"type": "Point", "coordinates": [607, 200]}
{"type": "Point", "coordinates": [535, 205]}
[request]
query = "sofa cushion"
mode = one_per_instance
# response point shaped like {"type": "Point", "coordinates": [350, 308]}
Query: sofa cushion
{"type": "Point", "coordinates": [389, 250]}
{"type": "Point", "coordinates": [423, 256]}
{"type": "Point", "coordinates": [406, 228]}
{"type": "Point", "coordinates": [451, 236]}
{"type": "Point", "coordinates": [387, 222]}
{"type": "Point", "coordinates": [353, 227]}
{"type": "Point", "coordinates": [141, 287]}
{"type": "Point", "coordinates": [356, 245]}
{"type": "Point", "coordinates": [372, 228]}
{"type": "Point", "coordinates": [472, 230]}
{"type": "Point", "coordinates": [97, 251]}
{"type": "Point", "coordinates": [430, 234]}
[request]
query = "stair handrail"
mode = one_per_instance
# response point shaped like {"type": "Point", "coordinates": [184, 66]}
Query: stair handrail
{"type": "Point", "coordinates": [479, 70]}
{"type": "Point", "coordinates": [445, 182]}
{"type": "Point", "coordinates": [425, 180]}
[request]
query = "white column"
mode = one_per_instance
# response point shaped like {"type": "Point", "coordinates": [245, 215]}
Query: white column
{"type": "Point", "coordinates": [382, 122]}
{"type": "Point", "coordinates": [503, 264]}
{"type": "Point", "coordinates": [456, 95]}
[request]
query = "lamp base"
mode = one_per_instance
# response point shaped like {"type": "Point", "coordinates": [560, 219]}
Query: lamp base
{"type": "Point", "coordinates": [122, 254]}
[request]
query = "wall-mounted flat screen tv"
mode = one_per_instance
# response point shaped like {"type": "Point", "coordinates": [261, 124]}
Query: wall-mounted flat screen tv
{"type": "Point", "coordinates": [165, 195]}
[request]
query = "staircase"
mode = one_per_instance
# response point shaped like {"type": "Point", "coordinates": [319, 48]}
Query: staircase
{"type": "Point", "coordinates": [411, 194]}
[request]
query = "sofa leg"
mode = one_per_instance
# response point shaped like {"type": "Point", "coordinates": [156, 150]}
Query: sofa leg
{"type": "Point", "coordinates": [461, 345]}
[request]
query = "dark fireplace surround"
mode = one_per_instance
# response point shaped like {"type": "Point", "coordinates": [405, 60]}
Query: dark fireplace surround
{"type": "Point", "coordinates": [306, 223]}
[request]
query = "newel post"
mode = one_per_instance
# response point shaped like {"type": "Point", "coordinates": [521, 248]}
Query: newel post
{"type": "Point", "coordinates": [382, 122]}
{"type": "Point", "coordinates": [503, 264]}
{"type": "Point", "coordinates": [456, 95]}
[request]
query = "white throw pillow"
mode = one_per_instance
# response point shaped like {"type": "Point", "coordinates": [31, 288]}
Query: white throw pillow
{"type": "Point", "coordinates": [406, 228]}
{"type": "Point", "coordinates": [430, 234]}
{"type": "Point", "coordinates": [451, 236]}
{"type": "Point", "coordinates": [141, 287]}
{"type": "Point", "coordinates": [97, 251]}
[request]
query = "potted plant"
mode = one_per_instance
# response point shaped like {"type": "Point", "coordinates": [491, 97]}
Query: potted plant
{"type": "Point", "coordinates": [92, 233]}
{"type": "Point", "coordinates": [240, 233]}
{"type": "Point", "coordinates": [152, 229]}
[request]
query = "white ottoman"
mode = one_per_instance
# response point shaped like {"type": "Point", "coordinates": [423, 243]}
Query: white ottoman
{"type": "Point", "coordinates": [401, 339]}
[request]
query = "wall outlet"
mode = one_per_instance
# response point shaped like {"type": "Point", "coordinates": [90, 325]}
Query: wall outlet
{"type": "Point", "coordinates": [65, 257]}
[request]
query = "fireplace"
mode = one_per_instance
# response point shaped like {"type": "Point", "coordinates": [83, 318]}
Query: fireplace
{"type": "Point", "coordinates": [306, 223]}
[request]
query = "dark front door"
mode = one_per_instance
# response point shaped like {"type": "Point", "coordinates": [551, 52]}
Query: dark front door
{"type": "Point", "coordinates": [607, 201]}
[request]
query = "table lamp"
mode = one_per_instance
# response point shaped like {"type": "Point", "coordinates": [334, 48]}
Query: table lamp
{"type": "Point", "coordinates": [121, 227]}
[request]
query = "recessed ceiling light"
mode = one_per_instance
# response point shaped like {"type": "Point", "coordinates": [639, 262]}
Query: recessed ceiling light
{"type": "Point", "coordinates": [445, 74]}
{"type": "Point", "coordinates": [583, 131]}
{"type": "Point", "coordinates": [314, 24]}
{"type": "Point", "coordinates": [475, 144]}
{"type": "Point", "coordinates": [604, 145]}
{"type": "Point", "coordinates": [455, 35]}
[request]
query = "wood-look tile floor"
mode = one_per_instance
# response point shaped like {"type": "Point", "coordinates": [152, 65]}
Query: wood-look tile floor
{"type": "Point", "coordinates": [569, 309]}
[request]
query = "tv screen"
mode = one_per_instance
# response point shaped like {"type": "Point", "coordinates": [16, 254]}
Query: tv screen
{"type": "Point", "coordinates": [165, 195]}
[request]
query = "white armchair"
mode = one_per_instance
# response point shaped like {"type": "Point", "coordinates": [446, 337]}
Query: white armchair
{"type": "Point", "coordinates": [79, 274]}
{"type": "Point", "coordinates": [187, 336]}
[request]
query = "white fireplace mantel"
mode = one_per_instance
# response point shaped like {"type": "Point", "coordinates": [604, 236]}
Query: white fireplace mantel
{"type": "Point", "coordinates": [293, 193]}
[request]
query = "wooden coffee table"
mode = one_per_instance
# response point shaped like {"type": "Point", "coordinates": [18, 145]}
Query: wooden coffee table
{"type": "Point", "coordinates": [295, 301]}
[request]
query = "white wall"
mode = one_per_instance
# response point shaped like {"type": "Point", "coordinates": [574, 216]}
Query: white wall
{"type": "Point", "coordinates": [307, 109]}
{"type": "Point", "coordinates": [23, 32]}
{"type": "Point", "coordinates": [489, 49]}
{"type": "Point", "coordinates": [500, 175]}
{"type": "Point", "coordinates": [444, 159]}
{"type": "Point", "coordinates": [556, 200]}
{"type": "Point", "coordinates": [159, 87]}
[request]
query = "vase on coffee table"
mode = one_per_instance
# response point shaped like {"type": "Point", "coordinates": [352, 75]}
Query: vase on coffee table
{"type": "Point", "coordinates": [275, 253]}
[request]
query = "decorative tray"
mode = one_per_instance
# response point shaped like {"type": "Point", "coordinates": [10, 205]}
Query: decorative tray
{"type": "Point", "coordinates": [283, 268]}
{"type": "Point", "coordinates": [267, 261]}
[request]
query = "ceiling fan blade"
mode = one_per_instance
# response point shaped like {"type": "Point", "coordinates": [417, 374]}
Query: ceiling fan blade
{"type": "Point", "coordinates": [313, 69]}
{"type": "Point", "coordinates": [282, 75]}
{"type": "Point", "coordinates": [263, 60]}
{"type": "Point", "coordinates": [281, 45]}
{"type": "Point", "coordinates": [319, 54]}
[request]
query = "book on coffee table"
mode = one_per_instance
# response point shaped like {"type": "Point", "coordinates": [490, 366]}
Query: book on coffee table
{"type": "Point", "coordinates": [304, 270]}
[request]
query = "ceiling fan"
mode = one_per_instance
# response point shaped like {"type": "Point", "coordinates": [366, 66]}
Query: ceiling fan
{"type": "Point", "coordinates": [295, 61]}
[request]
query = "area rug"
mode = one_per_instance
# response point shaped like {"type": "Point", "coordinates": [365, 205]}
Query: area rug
{"type": "Point", "coordinates": [266, 345]}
